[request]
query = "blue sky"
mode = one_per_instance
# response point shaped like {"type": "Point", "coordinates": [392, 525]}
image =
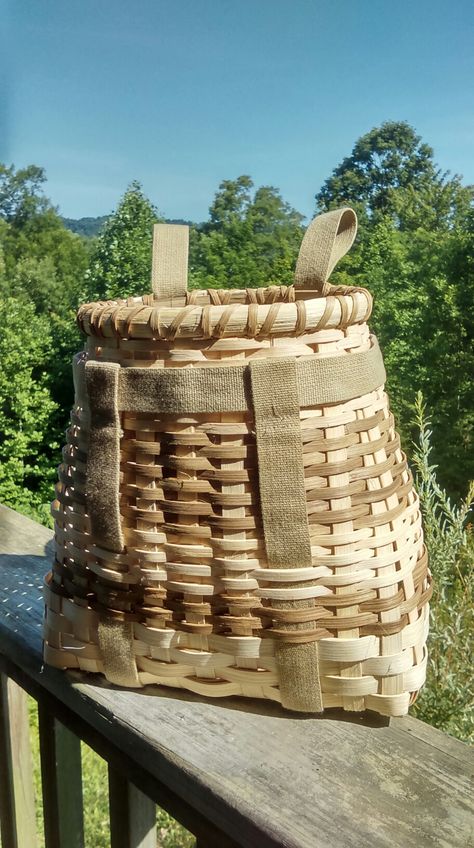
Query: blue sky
{"type": "Point", "coordinates": [181, 94]}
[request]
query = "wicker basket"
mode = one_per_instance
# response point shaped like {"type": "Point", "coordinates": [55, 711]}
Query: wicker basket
{"type": "Point", "coordinates": [234, 514]}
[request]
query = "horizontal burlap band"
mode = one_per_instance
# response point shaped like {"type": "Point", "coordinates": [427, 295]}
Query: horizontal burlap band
{"type": "Point", "coordinates": [176, 391]}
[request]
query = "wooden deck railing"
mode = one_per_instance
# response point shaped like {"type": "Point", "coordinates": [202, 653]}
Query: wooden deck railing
{"type": "Point", "coordinates": [235, 774]}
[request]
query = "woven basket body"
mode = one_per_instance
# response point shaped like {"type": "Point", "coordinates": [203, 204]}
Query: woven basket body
{"type": "Point", "coordinates": [234, 514]}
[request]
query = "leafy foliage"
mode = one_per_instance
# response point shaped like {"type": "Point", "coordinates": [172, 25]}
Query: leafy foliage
{"type": "Point", "coordinates": [26, 407]}
{"type": "Point", "coordinates": [426, 330]}
{"type": "Point", "coordinates": [388, 157]}
{"type": "Point", "coordinates": [447, 700]}
{"type": "Point", "coordinates": [21, 194]}
{"type": "Point", "coordinates": [416, 255]}
{"type": "Point", "coordinates": [251, 239]}
{"type": "Point", "coordinates": [41, 270]}
{"type": "Point", "coordinates": [88, 226]}
{"type": "Point", "coordinates": [43, 262]}
{"type": "Point", "coordinates": [120, 264]}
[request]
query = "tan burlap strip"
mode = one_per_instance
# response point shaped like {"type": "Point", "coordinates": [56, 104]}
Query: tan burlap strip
{"type": "Point", "coordinates": [169, 273]}
{"type": "Point", "coordinates": [116, 646]}
{"type": "Point", "coordinates": [325, 242]}
{"type": "Point", "coordinates": [227, 388]}
{"type": "Point", "coordinates": [102, 497]}
{"type": "Point", "coordinates": [283, 505]}
{"type": "Point", "coordinates": [280, 461]}
{"type": "Point", "coordinates": [103, 459]}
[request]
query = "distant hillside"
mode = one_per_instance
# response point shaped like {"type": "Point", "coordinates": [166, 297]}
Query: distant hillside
{"type": "Point", "coordinates": [85, 226]}
{"type": "Point", "coordinates": [90, 227]}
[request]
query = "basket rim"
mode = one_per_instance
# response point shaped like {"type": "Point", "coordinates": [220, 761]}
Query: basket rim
{"type": "Point", "coordinates": [217, 313]}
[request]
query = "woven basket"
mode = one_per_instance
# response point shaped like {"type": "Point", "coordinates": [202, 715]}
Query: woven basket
{"type": "Point", "coordinates": [234, 514]}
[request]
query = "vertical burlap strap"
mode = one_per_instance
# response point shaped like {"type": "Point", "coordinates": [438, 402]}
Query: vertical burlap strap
{"type": "Point", "coordinates": [325, 242]}
{"type": "Point", "coordinates": [283, 505]}
{"type": "Point", "coordinates": [116, 646]}
{"type": "Point", "coordinates": [103, 507]}
{"type": "Point", "coordinates": [103, 458]}
{"type": "Point", "coordinates": [169, 273]}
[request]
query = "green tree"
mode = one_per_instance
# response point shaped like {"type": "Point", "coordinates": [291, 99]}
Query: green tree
{"type": "Point", "coordinates": [46, 255]}
{"type": "Point", "coordinates": [120, 264]}
{"type": "Point", "coordinates": [423, 287]}
{"type": "Point", "coordinates": [21, 193]}
{"type": "Point", "coordinates": [388, 157]}
{"type": "Point", "coordinates": [230, 203]}
{"type": "Point", "coordinates": [43, 261]}
{"type": "Point", "coordinates": [42, 267]}
{"type": "Point", "coordinates": [252, 238]}
{"type": "Point", "coordinates": [415, 254]}
{"type": "Point", "coordinates": [26, 408]}
{"type": "Point", "coordinates": [443, 203]}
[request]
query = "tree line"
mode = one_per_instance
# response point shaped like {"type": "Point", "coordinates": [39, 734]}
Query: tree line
{"type": "Point", "coordinates": [414, 251]}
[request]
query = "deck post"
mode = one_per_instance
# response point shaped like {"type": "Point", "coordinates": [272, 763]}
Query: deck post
{"type": "Point", "coordinates": [61, 776]}
{"type": "Point", "coordinates": [17, 798]}
{"type": "Point", "coordinates": [132, 814]}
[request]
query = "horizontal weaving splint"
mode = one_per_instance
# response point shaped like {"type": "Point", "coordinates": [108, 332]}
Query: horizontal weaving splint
{"type": "Point", "coordinates": [234, 514]}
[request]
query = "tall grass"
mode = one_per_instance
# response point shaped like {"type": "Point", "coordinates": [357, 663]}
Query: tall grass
{"type": "Point", "coordinates": [447, 700]}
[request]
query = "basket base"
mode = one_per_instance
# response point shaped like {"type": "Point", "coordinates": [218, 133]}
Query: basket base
{"type": "Point", "coordinates": [248, 669]}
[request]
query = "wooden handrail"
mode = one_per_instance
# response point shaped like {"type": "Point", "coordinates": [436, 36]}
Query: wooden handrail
{"type": "Point", "coordinates": [234, 773]}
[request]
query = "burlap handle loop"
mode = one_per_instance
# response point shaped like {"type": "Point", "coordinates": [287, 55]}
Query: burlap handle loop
{"type": "Point", "coordinates": [169, 269]}
{"type": "Point", "coordinates": [327, 239]}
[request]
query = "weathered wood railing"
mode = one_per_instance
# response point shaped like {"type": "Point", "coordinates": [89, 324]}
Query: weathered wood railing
{"type": "Point", "coordinates": [234, 774]}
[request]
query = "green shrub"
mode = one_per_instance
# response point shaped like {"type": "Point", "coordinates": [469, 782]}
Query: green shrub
{"type": "Point", "coordinates": [448, 697]}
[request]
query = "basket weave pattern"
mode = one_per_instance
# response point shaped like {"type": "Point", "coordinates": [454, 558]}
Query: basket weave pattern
{"type": "Point", "coordinates": [204, 608]}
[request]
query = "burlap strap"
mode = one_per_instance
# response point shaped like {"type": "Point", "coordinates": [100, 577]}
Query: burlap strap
{"type": "Point", "coordinates": [116, 646]}
{"type": "Point", "coordinates": [283, 505]}
{"type": "Point", "coordinates": [103, 458]}
{"type": "Point", "coordinates": [102, 493]}
{"type": "Point", "coordinates": [326, 241]}
{"type": "Point", "coordinates": [169, 273]}
{"type": "Point", "coordinates": [227, 388]}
